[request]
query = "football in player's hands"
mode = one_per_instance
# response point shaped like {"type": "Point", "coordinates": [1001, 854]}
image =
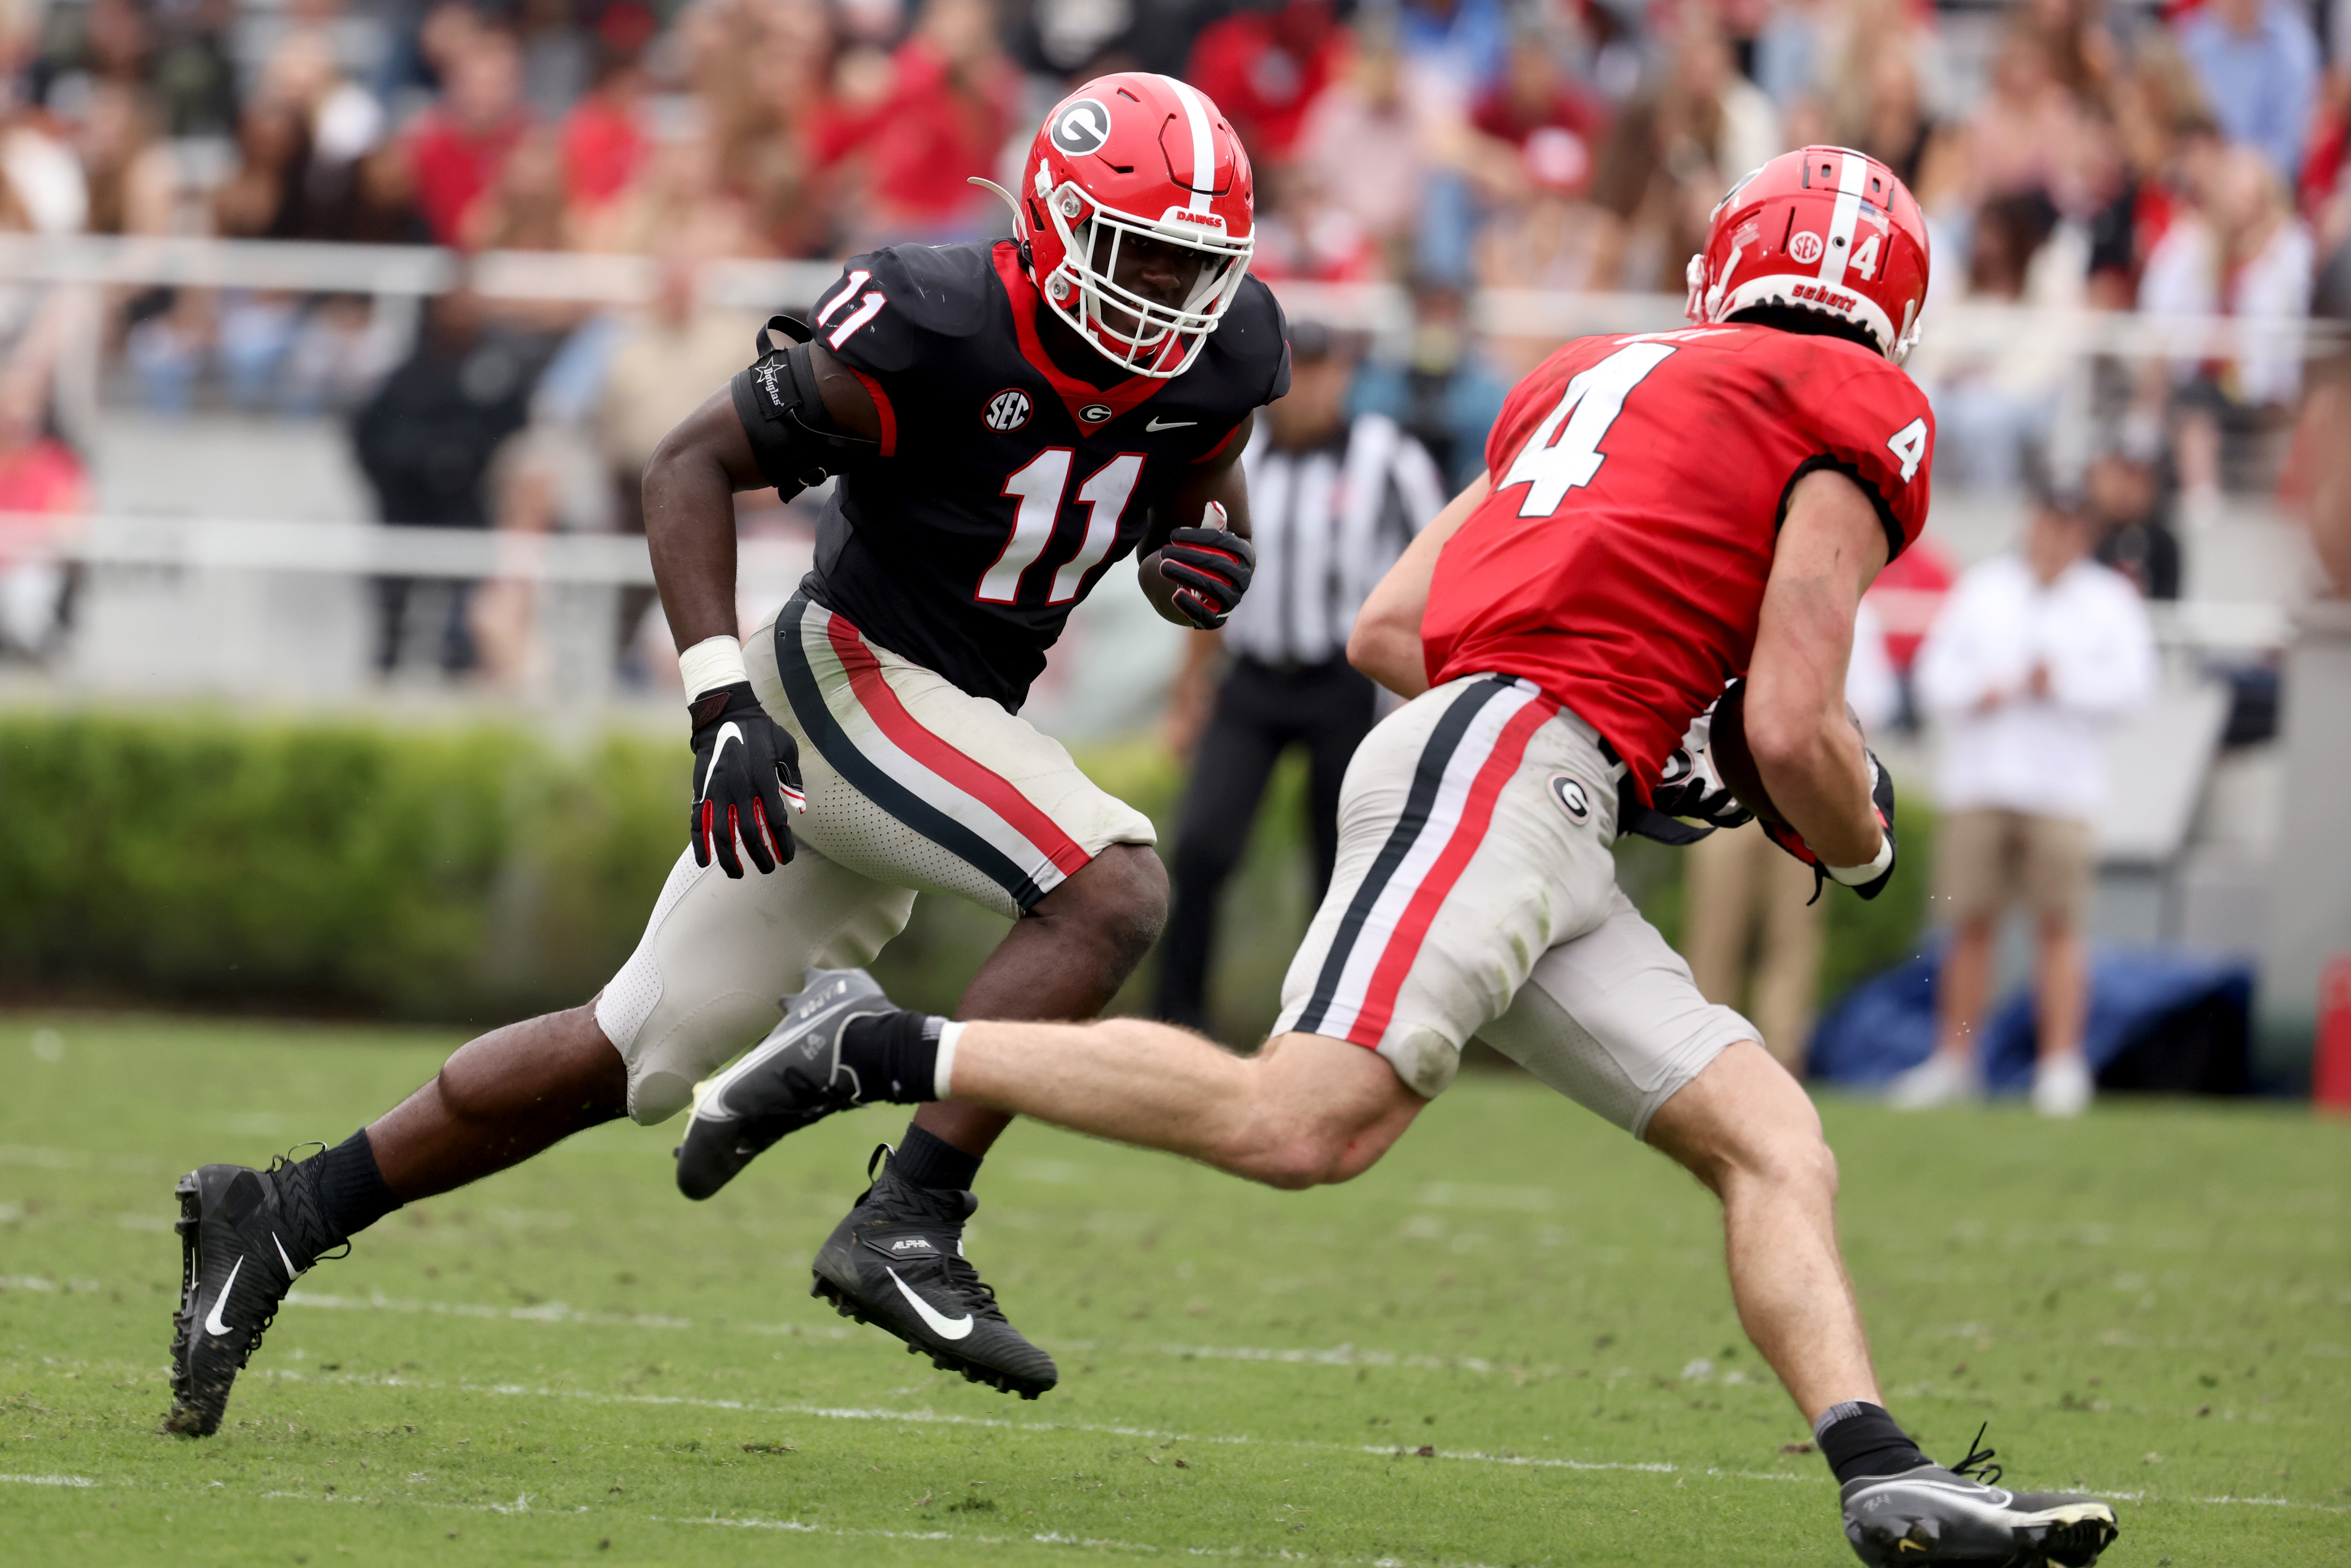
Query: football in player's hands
{"type": "Point", "coordinates": [1734, 762]}
{"type": "Point", "coordinates": [1210, 567]}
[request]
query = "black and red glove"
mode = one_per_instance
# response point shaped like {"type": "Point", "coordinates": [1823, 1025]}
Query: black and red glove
{"type": "Point", "coordinates": [1868, 881]}
{"type": "Point", "coordinates": [1210, 567]}
{"type": "Point", "coordinates": [746, 781]}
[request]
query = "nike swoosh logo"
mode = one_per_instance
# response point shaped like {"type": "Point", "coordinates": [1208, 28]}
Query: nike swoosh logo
{"type": "Point", "coordinates": [942, 1325]}
{"type": "Point", "coordinates": [1170, 424]}
{"type": "Point", "coordinates": [217, 1324]}
{"type": "Point", "coordinates": [728, 731]}
{"type": "Point", "coordinates": [291, 1272]}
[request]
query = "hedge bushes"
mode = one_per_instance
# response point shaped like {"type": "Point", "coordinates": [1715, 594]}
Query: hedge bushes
{"type": "Point", "coordinates": [479, 873]}
{"type": "Point", "coordinates": [434, 874]}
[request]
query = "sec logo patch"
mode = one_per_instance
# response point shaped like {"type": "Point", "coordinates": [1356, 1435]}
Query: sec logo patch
{"type": "Point", "coordinates": [1805, 247]}
{"type": "Point", "coordinates": [1094, 413]}
{"type": "Point", "coordinates": [1007, 409]}
{"type": "Point", "coordinates": [1569, 791]}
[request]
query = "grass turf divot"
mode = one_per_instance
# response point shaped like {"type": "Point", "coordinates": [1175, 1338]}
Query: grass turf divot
{"type": "Point", "coordinates": [570, 1364]}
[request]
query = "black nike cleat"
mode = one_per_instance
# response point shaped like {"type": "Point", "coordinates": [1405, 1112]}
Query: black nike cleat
{"type": "Point", "coordinates": [789, 1079]}
{"type": "Point", "coordinates": [246, 1235]}
{"type": "Point", "coordinates": [897, 1262]}
{"type": "Point", "coordinates": [1931, 1515]}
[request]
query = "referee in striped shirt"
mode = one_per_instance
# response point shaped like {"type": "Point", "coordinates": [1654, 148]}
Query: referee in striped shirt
{"type": "Point", "coordinates": [1332, 503]}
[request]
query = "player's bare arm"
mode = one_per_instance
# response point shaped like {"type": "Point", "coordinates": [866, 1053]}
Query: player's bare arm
{"type": "Point", "coordinates": [1220, 484]}
{"type": "Point", "coordinates": [691, 482]}
{"type": "Point", "coordinates": [1832, 547]}
{"type": "Point", "coordinates": [1385, 643]}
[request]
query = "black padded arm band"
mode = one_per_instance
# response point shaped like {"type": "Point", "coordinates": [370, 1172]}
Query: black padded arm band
{"type": "Point", "coordinates": [794, 440]}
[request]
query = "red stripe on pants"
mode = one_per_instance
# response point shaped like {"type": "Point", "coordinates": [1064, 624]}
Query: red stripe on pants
{"type": "Point", "coordinates": [990, 789]}
{"type": "Point", "coordinates": [1378, 1010]}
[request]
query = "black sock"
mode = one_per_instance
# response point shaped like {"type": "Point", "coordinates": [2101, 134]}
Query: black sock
{"type": "Point", "coordinates": [928, 1160]}
{"type": "Point", "coordinates": [1859, 1438]}
{"type": "Point", "coordinates": [352, 1191]}
{"type": "Point", "coordinates": [895, 1055]}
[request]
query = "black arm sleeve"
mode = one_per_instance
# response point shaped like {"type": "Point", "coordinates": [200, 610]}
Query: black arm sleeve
{"type": "Point", "coordinates": [794, 440]}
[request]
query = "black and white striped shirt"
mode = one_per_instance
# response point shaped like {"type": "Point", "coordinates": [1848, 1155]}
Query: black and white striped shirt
{"type": "Point", "coordinates": [1327, 525]}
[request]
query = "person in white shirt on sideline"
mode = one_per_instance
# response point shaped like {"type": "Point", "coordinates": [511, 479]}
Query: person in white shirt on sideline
{"type": "Point", "coordinates": [2033, 655]}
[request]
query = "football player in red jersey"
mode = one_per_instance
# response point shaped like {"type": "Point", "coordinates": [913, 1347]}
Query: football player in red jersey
{"type": "Point", "coordinates": [1009, 422]}
{"type": "Point", "coordinates": [1661, 514]}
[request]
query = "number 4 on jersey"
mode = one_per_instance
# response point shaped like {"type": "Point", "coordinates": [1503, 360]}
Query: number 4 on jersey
{"type": "Point", "coordinates": [1555, 461]}
{"type": "Point", "coordinates": [1909, 444]}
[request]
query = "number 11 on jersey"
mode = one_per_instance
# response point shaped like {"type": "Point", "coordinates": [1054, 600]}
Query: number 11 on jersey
{"type": "Point", "coordinates": [1555, 461]}
{"type": "Point", "coordinates": [1038, 488]}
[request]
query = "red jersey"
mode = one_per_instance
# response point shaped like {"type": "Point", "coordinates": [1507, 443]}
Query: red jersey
{"type": "Point", "coordinates": [1638, 484]}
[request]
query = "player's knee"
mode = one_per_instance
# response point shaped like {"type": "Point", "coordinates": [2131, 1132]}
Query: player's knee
{"type": "Point", "coordinates": [1117, 905]}
{"type": "Point", "coordinates": [1289, 1158]}
{"type": "Point", "coordinates": [1272, 1144]}
{"type": "Point", "coordinates": [1787, 1152]}
{"type": "Point", "coordinates": [478, 1083]}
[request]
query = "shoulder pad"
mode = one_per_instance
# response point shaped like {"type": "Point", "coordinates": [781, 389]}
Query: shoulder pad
{"type": "Point", "coordinates": [1253, 340]}
{"type": "Point", "coordinates": [929, 291]}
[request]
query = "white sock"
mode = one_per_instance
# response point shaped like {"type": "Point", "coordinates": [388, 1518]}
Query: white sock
{"type": "Point", "coordinates": [943, 1083]}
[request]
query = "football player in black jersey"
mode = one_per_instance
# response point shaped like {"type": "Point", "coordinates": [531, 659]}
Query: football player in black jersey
{"type": "Point", "coordinates": [1006, 422]}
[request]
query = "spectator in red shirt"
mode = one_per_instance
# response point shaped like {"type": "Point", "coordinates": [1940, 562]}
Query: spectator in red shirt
{"type": "Point", "coordinates": [952, 100]}
{"type": "Point", "coordinates": [459, 144]}
{"type": "Point", "coordinates": [1536, 92]}
{"type": "Point", "coordinates": [604, 135]}
{"type": "Point", "coordinates": [1264, 64]}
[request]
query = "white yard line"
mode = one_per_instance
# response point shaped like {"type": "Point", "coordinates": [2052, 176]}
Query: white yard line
{"type": "Point", "coordinates": [48, 1481]}
{"type": "Point", "coordinates": [934, 1417]}
{"type": "Point", "coordinates": [563, 1312]}
{"type": "Point", "coordinates": [997, 1422]}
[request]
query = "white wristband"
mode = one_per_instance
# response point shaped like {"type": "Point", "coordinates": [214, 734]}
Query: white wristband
{"type": "Point", "coordinates": [942, 1080]}
{"type": "Point", "coordinates": [1856, 875]}
{"type": "Point", "coordinates": [710, 663]}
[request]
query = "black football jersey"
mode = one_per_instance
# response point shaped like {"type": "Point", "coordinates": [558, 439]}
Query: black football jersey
{"type": "Point", "coordinates": [1005, 484]}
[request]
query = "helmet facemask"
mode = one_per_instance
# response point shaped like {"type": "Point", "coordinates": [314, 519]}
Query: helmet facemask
{"type": "Point", "coordinates": [1135, 333]}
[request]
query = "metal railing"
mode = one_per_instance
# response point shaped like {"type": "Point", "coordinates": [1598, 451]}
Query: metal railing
{"type": "Point", "coordinates": [604, 280]}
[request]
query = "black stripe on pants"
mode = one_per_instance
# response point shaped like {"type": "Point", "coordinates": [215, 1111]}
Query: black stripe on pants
{"type": "Point", "coordinates": [1261, 713]}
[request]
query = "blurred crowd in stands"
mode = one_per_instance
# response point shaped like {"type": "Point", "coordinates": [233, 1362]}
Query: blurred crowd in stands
{"type": "Point", "coordinates": [2193, 160]}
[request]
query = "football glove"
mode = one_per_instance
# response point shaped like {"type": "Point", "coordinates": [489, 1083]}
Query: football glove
{"type": "Point", "coordinates": [746, 778]}
{"type": "Point", "coordinates": [1691, 788]}
{"type": "Point", "coordinates": [1211, 566]}
{"type": "Point", "coordinates": [1868, 881]}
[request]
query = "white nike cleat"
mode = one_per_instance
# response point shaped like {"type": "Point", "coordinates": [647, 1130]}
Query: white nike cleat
{"type": "Point", "coordinates": [2061, 1084]}
{"type": "Point", "coordinates": [1943, 1079]}
{"type": "Point", "coordinates": [897, 1262]}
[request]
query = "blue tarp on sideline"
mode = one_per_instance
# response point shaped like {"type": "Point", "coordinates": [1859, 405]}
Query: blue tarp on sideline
{"type": "Point", "coordinates": [1887, 1022]}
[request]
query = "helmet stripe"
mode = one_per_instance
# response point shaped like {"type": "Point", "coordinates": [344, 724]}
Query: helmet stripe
{"type": "Point", "coordinates": [1203, 181]}
{"type": "Point", "coordinates": [1850, 178]}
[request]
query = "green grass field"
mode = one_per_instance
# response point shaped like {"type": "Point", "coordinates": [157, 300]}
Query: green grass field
{"type": "Point", "coordinates": [1511, 1343]}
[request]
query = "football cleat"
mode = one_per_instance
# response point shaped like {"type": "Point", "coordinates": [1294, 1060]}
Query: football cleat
{"type": "Point", "coordinates": [1931, 1515]}
{"type": "Point", "coordinates": [789, 1079]}
{"type": "Point", "coordinates": [246, 1235]}
{"type": "Point", "coordinates": [897, 1262]}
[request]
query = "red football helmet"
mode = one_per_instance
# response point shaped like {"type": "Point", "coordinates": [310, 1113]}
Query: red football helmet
{"type": "Point", "coordinates": [1134, 153]}
{"type": "Point", "coordinates": [1825, 229]}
